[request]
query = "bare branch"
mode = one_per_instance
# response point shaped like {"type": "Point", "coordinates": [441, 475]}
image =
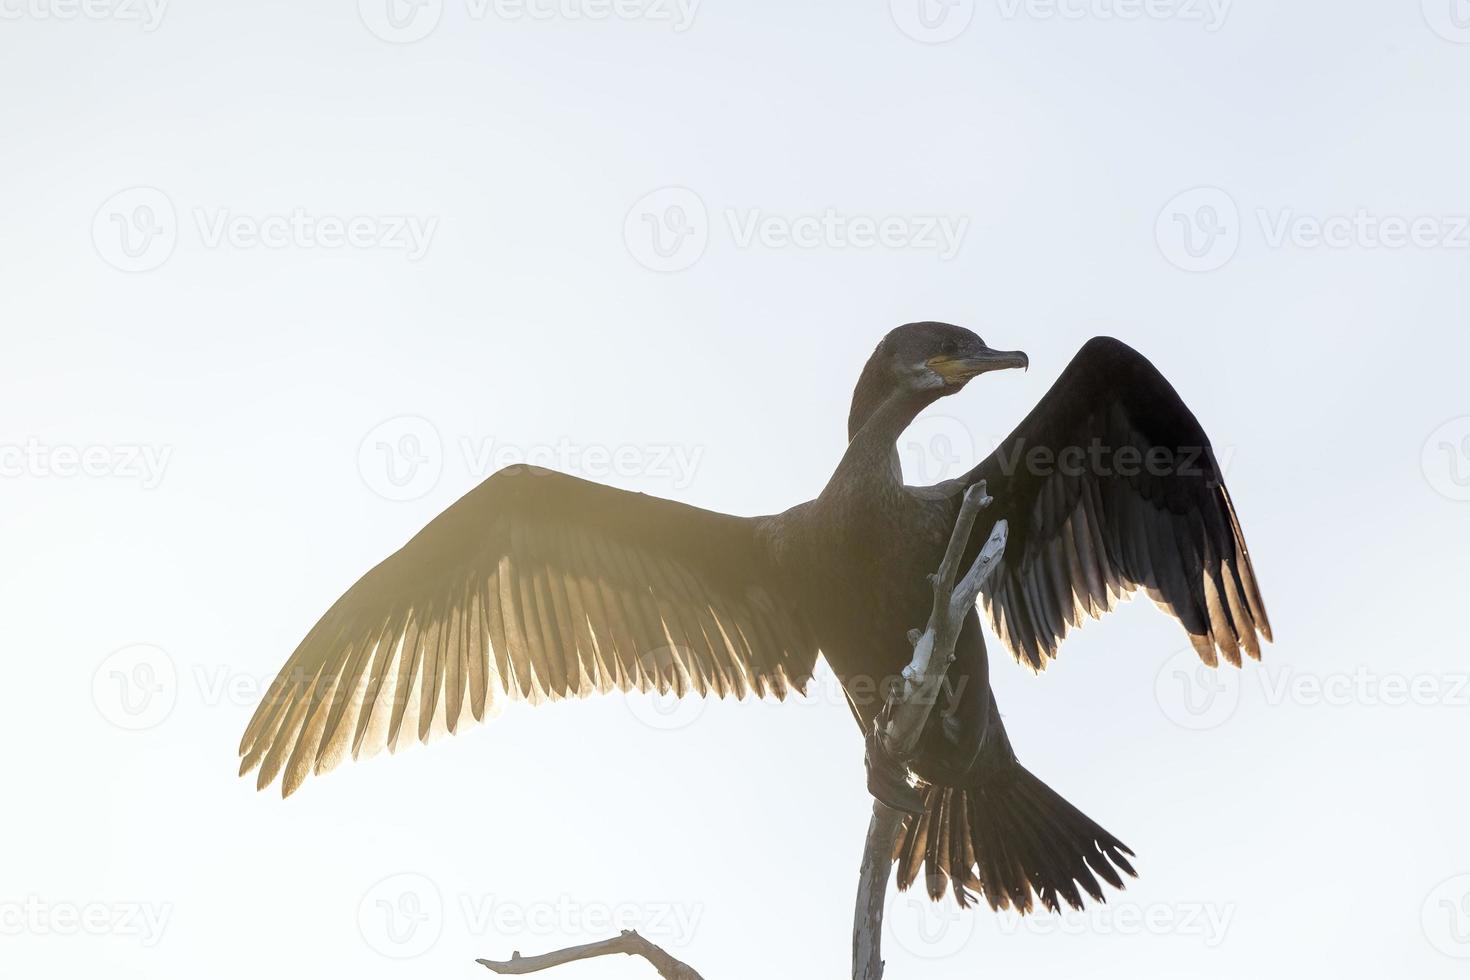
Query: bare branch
{"type": "Point", "coordinates": [908, 710]}
{"type": "Point", "coordinates": [629, 943]}
{"type": "Point", "coordinates": [867, 929]}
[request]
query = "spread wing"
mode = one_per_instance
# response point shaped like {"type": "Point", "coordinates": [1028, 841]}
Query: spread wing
{"type": "Point", "coordinates": [1110, 485]}
{"type": "Point", "coordinates": [534, 585]}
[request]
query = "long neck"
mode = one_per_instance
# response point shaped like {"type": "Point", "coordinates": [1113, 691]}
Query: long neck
{"type": "Point", "coordinates": [870, 466]}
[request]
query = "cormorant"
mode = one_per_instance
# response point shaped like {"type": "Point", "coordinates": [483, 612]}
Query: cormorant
{"type": "Point", "coordinates": [539, 585]}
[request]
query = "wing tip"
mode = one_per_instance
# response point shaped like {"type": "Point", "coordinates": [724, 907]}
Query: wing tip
{"type": "Point", "coordinates": [1209, 647]}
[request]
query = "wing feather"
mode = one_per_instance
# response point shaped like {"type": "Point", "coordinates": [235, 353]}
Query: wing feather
{"type": "Point", "coordinates": [533, 586]}
{"type": "Point", "coordinates": [1083, 537]}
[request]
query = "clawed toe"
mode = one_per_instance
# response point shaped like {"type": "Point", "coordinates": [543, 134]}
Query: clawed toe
{"type": "Point", "coordinates": [888, 779]}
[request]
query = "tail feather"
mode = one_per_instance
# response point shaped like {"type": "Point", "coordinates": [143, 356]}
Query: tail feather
{"type": "Point", "coordinates": [1012, 839]}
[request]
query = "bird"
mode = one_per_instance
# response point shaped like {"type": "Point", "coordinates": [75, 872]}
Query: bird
{"type": "Point", "coordinates": [541, 586]}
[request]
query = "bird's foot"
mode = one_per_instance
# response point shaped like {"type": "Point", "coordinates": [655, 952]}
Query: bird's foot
{"type": "Point", "coordinates": [888, 778]}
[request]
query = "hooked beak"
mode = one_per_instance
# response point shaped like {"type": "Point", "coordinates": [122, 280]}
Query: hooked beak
{"type": "Point", "coordinates": [957, 369]}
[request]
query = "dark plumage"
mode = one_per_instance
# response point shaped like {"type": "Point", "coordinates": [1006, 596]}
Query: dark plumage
{"type": "Point", "coordinates": [539, 585]}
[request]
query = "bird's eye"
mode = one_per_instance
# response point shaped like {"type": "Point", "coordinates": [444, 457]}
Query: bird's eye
{"type": "Point", "coordinates": [949, 346]}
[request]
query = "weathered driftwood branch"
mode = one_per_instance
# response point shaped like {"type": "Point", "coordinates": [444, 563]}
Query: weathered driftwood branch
{"type": "Point", "coordinates": [907, 711]}
{"type": "Point", "coordinates": [629, 943]}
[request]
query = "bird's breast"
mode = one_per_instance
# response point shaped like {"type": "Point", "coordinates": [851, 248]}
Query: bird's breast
{"type": "Point", "coordinates": [861, 579]}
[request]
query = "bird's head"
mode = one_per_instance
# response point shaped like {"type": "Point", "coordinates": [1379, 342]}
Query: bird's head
{"type": "Point", "coordinates": [924, 361]}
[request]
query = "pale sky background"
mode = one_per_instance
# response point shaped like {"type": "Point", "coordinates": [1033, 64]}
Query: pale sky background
{"type": "Point", "coordinates": [249, 415]}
